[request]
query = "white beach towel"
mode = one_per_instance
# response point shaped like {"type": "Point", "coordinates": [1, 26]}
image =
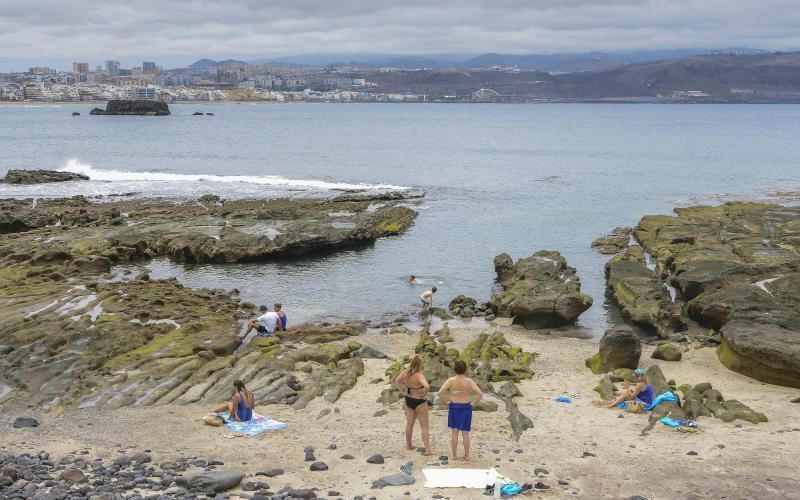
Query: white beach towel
{"type": "Point", "coordinates": [459, 478]}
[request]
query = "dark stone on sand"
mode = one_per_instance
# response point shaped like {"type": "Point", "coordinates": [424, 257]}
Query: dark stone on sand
{"type": "Point", "coordinates": [21, 422]}
{"type": "Point", "coordinates": [132, 107]}
{"type": "Point", "coordinates": [380, 413]}
{"type": "Point", "coordinates": [74, 476]}
{"type": "Point", "coordinates": [216, 480]}
{"type": "Point", "coordinates": [332, 446]}
{"type": "Point", "coordinates": [334, 493]}
{"type": "Point", "coordinates": [368, 352]}
{"type": "Point", "coordinates": [18, 176]}
{"type": "Point", "coordinates": [375, 459]}
{"type": "Point", "coordinates": [144, 458]}
{"type": "Point", "coordinates": [539, 470]}
{"type": "Point", "coordinates": [318, 466]}
{"type": "Point", "coordinates": [692, 453]}
{"type": "Point", "coordinates": [270, 472]}
{"type": "Point", "coordinates": [347, 456]}
{"type": "Point", "coordinates": [197, 113]}
{"type": "Point", "coordinates": [398, 479]}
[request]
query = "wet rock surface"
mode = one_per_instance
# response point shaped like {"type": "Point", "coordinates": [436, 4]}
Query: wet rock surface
{"type": "Point", "coordinates": [114, 341]}
{"type": "Point", "coordinates": [736, 269]}
{"type": "Point", "coordinates": [192, 231]}
{"type": "Point", "coordinates": [540, 291]}
{"type": "Point", "coordinates": [15, 176]}
{"type": "Point", "coordinates": [614, 242]}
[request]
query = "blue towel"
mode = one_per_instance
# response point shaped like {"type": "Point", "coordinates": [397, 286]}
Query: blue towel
{"type": "Point", "coordinates": [667, 396]}
{"type": "Point", "coordinates": [563, 399]}
{"type": "Point", "coordinates": [254, 426]}
{"type": "Point", "coordinates": [672, 423]}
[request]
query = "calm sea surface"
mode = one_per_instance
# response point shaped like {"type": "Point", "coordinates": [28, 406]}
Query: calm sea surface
{"type": "Point", "coordinates": [499, 178]}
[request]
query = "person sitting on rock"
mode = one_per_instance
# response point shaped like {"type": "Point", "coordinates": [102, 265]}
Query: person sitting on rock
{"type": "Point", "coordinates": [265, 324]}
{"type": "Point", "coordinates": [240, 407]}
{"type": "Point", "coordinates": [637, 390]}
{"type": "Point", "coordinates": [282, 315]}
{"type": "Point", "coordinates": [427, 299]}
{"type": "Point", "coordinates": [412, 383]}
{"type": "Point", "coordinates": [459, 410]}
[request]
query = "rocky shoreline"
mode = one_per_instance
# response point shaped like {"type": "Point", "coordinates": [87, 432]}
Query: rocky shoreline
{"type": "Point", "coordinates": [711, 281]}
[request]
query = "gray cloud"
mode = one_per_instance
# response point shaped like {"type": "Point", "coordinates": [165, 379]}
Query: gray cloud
{"type": "Point", "coordinates": [172, 30]}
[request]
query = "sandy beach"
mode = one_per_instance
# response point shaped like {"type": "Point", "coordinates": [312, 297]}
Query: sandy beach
{"type": "Point", "coordinates": [587, 452]}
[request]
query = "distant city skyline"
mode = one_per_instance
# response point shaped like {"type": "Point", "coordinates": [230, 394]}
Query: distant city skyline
{"type": "Point", "coordinates": [174, 33]}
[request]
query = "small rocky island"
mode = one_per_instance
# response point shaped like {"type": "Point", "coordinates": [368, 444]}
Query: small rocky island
{"type": "Point", "coordinates": [134, 108]}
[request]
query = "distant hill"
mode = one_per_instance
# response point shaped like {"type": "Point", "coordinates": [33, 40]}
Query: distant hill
{"type": "Point", "coordinates": [209, 63]}
{"type": "Point", "coordinates": [714, 74]}
{"type": "Point", "coordinates": [727, 77]}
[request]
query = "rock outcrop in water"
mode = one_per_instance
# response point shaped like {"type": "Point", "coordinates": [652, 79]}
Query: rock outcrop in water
{"type": "Point", "coordinates": [131, 107]}
{"type": "Point", "coordinates": [734, 268]}
{"type": "Point", "coordinates": [41, 176]}
{"type": "Point", "coordinates": [540, 291]}
{"type": "Point", "coordinates": [193, 231]}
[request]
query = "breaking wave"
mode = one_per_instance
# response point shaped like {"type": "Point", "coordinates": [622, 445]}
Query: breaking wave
{"type": "Point", "coordinates": [95, 174]}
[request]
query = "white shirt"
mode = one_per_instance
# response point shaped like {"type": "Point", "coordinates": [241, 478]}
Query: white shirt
{"type": "Point", "coordinates": [269, 320]}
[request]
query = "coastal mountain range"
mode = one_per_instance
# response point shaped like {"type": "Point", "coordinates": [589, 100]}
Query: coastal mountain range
{"type": "Point", "coordinates": [734, 76]}
{"type": "Point", "coordinates": [555, 63]}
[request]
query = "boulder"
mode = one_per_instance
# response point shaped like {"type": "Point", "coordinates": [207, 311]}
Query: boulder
{"type": "Point", "coordinates": [74, 476]}
{"type": "Point", "coordinates": [369, 352]}
{"type": "Point", "coordinates": [15, 176]}
{"type": "Point", "coordinates": [133, 107]}
{"type": "Point", "coordinates": [462, 301]}
{"type": "Point", "coordinates": [764, 352]}
{"type": "Point", "coordinates": [398, 479]}
{"type": "Point", "coordinates": [656, 378]}
{"type": "Point", "coordinates": [666, 351]}
{"type": "Point", "coordinates": [605, 388]}
{"type": "Point", "coordinates": [619, 348]}
{"type": "Point", "coordinates": [216, 480]}
{"type": "Point", "coordinates": [540, 291]}
{"type": "Point", "coordinates": [21, 422]}
{"type": "Point", "coordinates": [614, 242]}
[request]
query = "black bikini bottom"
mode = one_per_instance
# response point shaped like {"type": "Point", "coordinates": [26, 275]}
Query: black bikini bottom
{"type": "Point", "coordinates": [412, 403]}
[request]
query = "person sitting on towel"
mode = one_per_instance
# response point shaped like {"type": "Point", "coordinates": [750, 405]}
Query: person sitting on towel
{"type": "Point", "coordinates": [637, 390]}
{"type": "Point", "coordinates": [240, 407]}
{"type": "Point", "coordinates": [459, 412]}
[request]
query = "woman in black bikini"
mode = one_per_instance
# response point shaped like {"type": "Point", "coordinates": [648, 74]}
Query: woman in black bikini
{"type": "Point", "coordinates": [412, 383]}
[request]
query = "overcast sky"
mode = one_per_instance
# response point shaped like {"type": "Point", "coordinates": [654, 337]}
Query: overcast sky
{"type": "Point", "coordinates": [176, 32]}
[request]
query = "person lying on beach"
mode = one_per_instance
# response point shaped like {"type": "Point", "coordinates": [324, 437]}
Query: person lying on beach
{"type": "Point", "coordinates": [265, 324]}
{"type": "Point", "coordinates": [282, 315]}
{"type": "Point", "coordinates": [427, 299]}
{"type": "Point", "coordinates": [638, 390]}
{"type": "Point", "coordinates": [240, 407]}
{"type": "Point", "coordinates": [412, 383]}
{"type": "Point", "coordinates": [459, 410]}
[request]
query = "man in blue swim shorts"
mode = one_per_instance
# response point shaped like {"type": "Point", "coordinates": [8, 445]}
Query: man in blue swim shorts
{"type": "Point", "coordinates": [459, 414]}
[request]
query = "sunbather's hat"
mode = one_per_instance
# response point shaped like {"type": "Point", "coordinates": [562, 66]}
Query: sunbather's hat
{"type": "Point", "coordinates": [638, 372]}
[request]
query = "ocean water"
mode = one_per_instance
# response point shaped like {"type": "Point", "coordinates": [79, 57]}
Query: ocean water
{"type": "Point", "coordinates": [498, 178]}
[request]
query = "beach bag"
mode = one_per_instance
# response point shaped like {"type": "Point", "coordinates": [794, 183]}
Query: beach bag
{"type": "Point", "coordinates": [634, 407]}
{"type": "Point", "coordinates": [214, 420]}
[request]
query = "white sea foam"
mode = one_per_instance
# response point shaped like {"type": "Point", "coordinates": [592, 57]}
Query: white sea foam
{"type": "Point", "coordinates": [95, 174]}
